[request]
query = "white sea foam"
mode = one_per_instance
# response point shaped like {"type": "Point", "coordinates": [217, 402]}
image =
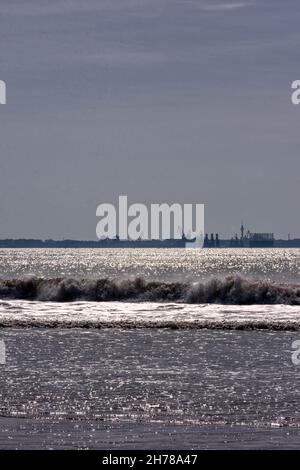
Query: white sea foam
{"type": "Point", "coordinates": [22, 313]}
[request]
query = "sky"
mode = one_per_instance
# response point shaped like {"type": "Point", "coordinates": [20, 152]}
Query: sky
{"type": "Point", "coordinates": [185, 101]}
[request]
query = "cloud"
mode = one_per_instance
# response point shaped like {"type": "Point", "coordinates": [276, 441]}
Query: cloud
{"type": "Point", "coordinates": [66, 7]}
{"type": "Point", "coordinates": [122, 57]}
{"type": "Point", "coordinates": [224, 7]}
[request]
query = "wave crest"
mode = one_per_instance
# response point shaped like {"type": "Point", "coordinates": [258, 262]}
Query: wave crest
{"type": "Point", "coordinates": [228, 290]}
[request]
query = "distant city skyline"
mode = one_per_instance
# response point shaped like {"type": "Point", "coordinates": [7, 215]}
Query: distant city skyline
{"type": "Point", "coordinates": [163, 100]}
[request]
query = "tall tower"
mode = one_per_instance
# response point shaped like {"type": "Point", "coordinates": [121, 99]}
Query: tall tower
{"type": "Point", "coordinates": [242, 229]}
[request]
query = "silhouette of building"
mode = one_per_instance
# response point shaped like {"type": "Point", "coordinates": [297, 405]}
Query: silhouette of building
{"type": "Point", "coordinates": [261, 240]}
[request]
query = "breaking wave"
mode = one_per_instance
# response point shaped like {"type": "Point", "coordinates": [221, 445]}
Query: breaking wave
{"type": "Point", "coordinates": [233, 290]}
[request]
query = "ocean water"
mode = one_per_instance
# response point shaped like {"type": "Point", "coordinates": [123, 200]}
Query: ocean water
{"type": "Point", "coordinates": [149, 348]}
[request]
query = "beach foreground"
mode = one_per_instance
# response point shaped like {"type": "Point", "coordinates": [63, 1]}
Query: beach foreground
{"type": "Point", "coordinates": [35, 435]}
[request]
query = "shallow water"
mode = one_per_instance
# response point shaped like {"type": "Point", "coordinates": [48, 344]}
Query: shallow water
{"type": "Point", "coordinates": [151, 377]}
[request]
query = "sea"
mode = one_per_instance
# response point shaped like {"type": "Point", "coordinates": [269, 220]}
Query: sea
{"type": "Point", "coordinates": [149, 348]}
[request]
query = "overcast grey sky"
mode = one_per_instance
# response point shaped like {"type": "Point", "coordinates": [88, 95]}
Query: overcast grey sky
{"type": "Point", "coordinates": [162, 100]}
